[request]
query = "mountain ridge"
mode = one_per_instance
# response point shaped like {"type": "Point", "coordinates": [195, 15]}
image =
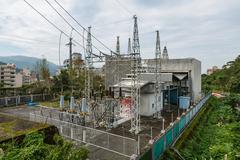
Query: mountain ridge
{"type": "Point", "coordinates": [27, 62]}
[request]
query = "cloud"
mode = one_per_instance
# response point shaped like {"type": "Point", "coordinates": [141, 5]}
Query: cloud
{"type": "Point", "coordinates": [206, 30]}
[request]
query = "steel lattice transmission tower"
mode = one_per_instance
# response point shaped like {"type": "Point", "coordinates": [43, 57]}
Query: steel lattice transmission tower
{"type": "Point", "coordinates": [118, 59]}
{"type": "Point", "coordinates": [89, 63]}
{"type": "Point", "coordinates": [135, 87]}
{"type": "Point", "coordinates": [157, 113]}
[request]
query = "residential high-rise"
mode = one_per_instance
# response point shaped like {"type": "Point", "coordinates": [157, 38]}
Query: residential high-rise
{"type": "Point", "coordinates": [8, 75]}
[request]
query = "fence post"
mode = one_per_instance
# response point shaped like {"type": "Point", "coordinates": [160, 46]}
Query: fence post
{"type": "Point", "coordinates": [31, 98]}
{"type": "Point", "coordinates": [16, 100]}
{"type": "Point", "coordinates": [163, 129]}
{"type": "Point", "coordinates": [138, 145]}
{"type": "Point", "coordinates": [6, 101]}
{"type": "Point", "coordinates": [19, 100]}
{"type": "Point", "coordinates": [61, 129]}
{"type": "Point", "coordinates": [84, 135]}
{"type": "Point", "coordinates": [71, 133]}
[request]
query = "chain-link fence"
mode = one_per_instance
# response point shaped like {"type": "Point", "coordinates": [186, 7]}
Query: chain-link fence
{"type": "Point", "coordinates": [18, 100]}
{"type": "Point", "coordinates": [71, 129]}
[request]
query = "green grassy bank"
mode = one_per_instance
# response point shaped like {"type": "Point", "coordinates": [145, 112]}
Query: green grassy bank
{"type": "Point", "coordinates": [215, 133]}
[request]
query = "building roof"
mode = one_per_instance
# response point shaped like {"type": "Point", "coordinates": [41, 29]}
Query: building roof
{"type": "Point", "coordinates": [127, 83]}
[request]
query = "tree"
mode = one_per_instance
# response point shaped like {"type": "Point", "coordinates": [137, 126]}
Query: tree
{"type": "Point", "coordinates": [61, 82]}
{"type": "Point", "coordinates": [42, 69]}
{"type": "Point", "coordinates": [225, 80]}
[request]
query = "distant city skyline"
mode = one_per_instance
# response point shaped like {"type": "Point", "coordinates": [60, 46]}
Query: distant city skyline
{"type": "Point", "coordinates": [202, 29]}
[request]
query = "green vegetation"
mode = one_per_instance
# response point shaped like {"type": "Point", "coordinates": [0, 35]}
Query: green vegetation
{"type": "Point", "coordinates": [34, 147]}
{"type": "Point", "coordinates": [215, 135]}
{"type": "Point", "coordinates": [72, 82]}
{"type": "Point", "coordinates": [225, 80]}
{"type": "Point", "coordinates": [68, 82]}
{"type": "Point", "coordinates": [54, 103]}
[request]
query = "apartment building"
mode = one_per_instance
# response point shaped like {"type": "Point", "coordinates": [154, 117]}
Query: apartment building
{"type": "Point", "coordinates": [8, 75]}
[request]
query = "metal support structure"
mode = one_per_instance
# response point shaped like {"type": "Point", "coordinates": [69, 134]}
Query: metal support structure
{"type": "Point", "coordinates": [70, 44]}
{"type": "Point", "coordinates": [129, 46]}
{"type": "Point", "coordinates": [118, 45]}
{"type": "Point", "coordinates": [135, 87]}
{"type": "Point", "coordinates": [89, 63]}
{"type": "Point", "coordinates": [118, 59]}
{"type": "Point", "coordinates": [158, 90]}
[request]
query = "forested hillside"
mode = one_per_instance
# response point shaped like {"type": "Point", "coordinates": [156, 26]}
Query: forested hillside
{"type": "Point", "coordinates": [226, 80]}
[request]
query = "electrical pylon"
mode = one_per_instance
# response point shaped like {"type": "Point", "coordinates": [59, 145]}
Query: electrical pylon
{"type": "Point", "coordinates": [89, 63]}
{"type": "Point", "coordinates": [118, 59]}
{"type": "Point", "coordinates": [157, 113]}
{"type": "Point", "coordinates": [135, 87]}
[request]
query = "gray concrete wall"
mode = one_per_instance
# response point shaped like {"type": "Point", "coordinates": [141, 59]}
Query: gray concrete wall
{"type": "Point", "coordinates": [146, 108]}
{"type": "Point", "coordinates": [115, 69]}
{"type": "Point", "coordinates": [190, 65]}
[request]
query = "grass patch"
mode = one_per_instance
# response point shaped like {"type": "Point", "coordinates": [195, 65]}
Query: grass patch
{"type": "Point", "coordinates": [53, 104]}
{"type": "Point", "coordinates": [13, 127]}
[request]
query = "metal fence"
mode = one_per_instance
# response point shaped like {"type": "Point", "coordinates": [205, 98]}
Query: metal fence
{"type": "Point", "coordinates": [123, 146]}
{"type": "Point", "coordinates": [173, 132]}
{"type": "Point", "coordinates": [18, 100]}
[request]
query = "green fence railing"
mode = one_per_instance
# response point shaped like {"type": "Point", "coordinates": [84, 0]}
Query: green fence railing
{"type": "Point", "coordinates": [173, 132]}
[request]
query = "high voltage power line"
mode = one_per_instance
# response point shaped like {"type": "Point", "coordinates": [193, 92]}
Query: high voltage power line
{"type": "Point", "coordinates": [64, 33]}
{"type": "Point", "coordinates": [124, 7]}
{"type": "Point", "coordinates": [22, 39]}
{"type": "Point", "coordinates": [84, 28]}
{"type": "Point", "coordinates": [51, 22]}
{"type": "Point", "coordinates": [74, 29]}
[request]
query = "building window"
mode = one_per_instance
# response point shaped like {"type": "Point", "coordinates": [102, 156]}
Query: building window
{"type": "Point", "coordinates": [153, 105]}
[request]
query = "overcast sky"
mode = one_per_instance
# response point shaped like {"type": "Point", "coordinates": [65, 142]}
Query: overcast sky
{"type": "Point", "coordinates": [208, 30]}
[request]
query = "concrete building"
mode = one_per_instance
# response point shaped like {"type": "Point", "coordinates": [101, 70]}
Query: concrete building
{"type": "Point", "coordinates": [77, 61]}
{"type": "Point", "coordinates": [19, 80]}
{"type": "Point", "coordinates": [115, 69]}
{"type": "Point", "coordinates": [147, 95]}
{"type": "Point", "coordinates": [147, 91]}
{"type": "Point", "coordinates": [212, 70]}
{"type": "Point", "coordinates": [186, 72]}
{"type": "Point", "coordinates": [26, 76]}
{"type": "Point", "coordinates": [8, 75]}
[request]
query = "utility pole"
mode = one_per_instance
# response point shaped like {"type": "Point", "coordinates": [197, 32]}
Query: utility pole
{"type": "Point", "coordinates": [135, 88]}
{"type": "Point", "coordinates": [70, 52]}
